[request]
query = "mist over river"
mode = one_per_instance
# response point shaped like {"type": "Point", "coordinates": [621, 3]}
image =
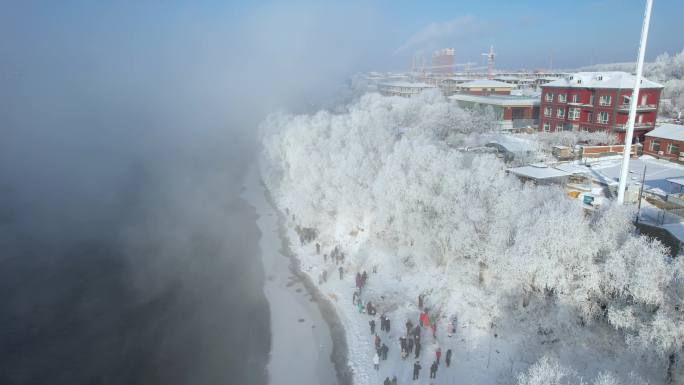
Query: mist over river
{"type": "Point", "coordinates": [152, 280]}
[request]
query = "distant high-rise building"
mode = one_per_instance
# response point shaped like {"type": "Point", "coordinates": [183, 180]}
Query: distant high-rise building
{"type": "Point", "coordinates": [443, 61]}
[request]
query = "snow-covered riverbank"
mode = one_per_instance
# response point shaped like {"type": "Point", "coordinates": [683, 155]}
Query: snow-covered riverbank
{"type": "Point", "coordinates": [526, 272]}
{"type": "Point", "coordinates": [301, 347]}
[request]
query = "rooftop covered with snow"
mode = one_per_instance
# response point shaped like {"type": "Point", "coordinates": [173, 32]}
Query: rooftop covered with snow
{"type": "Point", "coordinates": [668, 131]}
{"type": "Point", "coordinates": [608, 79]}
{"type": "Point", "coordinates": [407, 84]}
{"type": "Point", "coordinates": [658, 173]}
{"type": "Point", "coordinates": [498, 100]}
{"type": "Point", "coordinates": [538, 172]}
{"type": "Point", "coordinates": [486, 83]}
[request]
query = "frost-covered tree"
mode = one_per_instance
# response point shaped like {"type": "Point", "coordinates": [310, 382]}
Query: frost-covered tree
{"type": "Point", "coordinates": [549, 371]}
{"type": "Point", "coordinates": [385, 166]}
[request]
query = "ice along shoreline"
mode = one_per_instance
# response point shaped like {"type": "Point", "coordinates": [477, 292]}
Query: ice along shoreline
{"type": "Point", "coordinates": [288, 303]}
{"type": "Point", "coordinates": [340, 351]}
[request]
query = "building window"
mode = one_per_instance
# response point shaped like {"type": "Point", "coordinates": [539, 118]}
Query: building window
{"type": "Point", "coordinates": [575, 98]}
{"type": "Point", "coordinates": [562, 98]}
{"type": "Point", "coordinates": [655, 145]}
{"type": "Point", "coordinates": [560, 127]}
{"type": "Point", "coordinates": [605, 100]}
{"type": "Point", "coordinates": [560, 113]}
{"type": "Point", "coordinates": [547, 127]}
{"type": "Point", "coordinates": [549, 97]}
{"type": "Point", "coordinates": [602, 117]}
{"type": "Point", "coordinates": [573, 113]}
{"type": "Point", "coordinates": [590, 117]}
{"type": "Point", "coordinates": [547, 111]}
{"type": "Point", "coordinates": [673, 149]}
{"type": "Point", "coordinates": [584, 128]}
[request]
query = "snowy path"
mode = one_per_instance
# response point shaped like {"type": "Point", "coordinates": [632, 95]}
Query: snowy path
{"type": "Point", "coordinates": [481, 354]}
{"type": "Point", "coordinates": [301, 343]}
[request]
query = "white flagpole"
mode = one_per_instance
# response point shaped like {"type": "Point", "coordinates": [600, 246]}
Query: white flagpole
{"type": "Point", "coordinates": [633, 104]}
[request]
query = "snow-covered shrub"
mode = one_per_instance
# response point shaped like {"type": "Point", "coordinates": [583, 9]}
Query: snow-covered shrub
{"type": "Point", "coordinates": [546, 371]}
{"type": "Point", "coordinates": [549, 371]}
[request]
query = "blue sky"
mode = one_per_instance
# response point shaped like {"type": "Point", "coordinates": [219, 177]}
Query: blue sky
{"type": "Point", "coordinates": [313, 40]}
{"type": "Point", "coordinates": [528, 33]}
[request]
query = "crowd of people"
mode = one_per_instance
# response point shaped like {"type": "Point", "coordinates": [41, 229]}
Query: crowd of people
{"type": "Point", "coordinates": [410, 342]}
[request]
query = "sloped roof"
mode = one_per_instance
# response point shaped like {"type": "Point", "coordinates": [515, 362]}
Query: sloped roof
{"type": "Point", "coordinates": [407, 85]}
{"type": "Point", "coordinates": [487, 83]}
{"type": "Point", "coordinates": [498, 100]}
{"type": "Point", "coordinates": [668, 131]}
{"type": "Point", "coordinates": [573, 168]}
{"type": "Point", "coordinates": [609, 79]}
{"type": "Point", "coordinates": [538, 173]}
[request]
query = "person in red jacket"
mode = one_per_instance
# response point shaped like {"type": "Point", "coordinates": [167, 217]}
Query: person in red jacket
{"type": "Point", "coordinates": [424, 319]}
{"type": "Point", "coordinates": [438, 354]}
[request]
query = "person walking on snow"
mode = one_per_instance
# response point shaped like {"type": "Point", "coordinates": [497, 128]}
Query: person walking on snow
{"type": "Point", "coordinates": [434, 330]}
{"type": "Point", "coordinates": [387, 381]}
{"type": "Point", "coordinates": [433, 370]}
{"type": "Point", "coordinates": [376, 362]}
{"type": "Point", "coordinates": [387, 324]}
{"type": "Point", "coordinates": [438, 354]}
{"type": "Point", "coordinates": [382, 322]}
{"type": "Point", "coordinates": [447, 359]}
{"type": "Point", "coordinates": [417, 349]}
{"type": "Point", "coordinates": [409, 325]}
{"type": "Point", "coordinates": [416, 370]}
{"type": "Point", "coordinates": [451, 329]}
{"type": "Point", "coordinates": [410, 345]}
{"type": "Point", "coordinates": [394, 380]}
{"type": "Point", "coordinates": [318, 248]}
{"type": "Point", "coordinates": [377, 342]}
{"type": "Point", "coordinates": [384, 349]}
{"type": "Point", "coordinates": [424, 320]}
{"type": "Point", "coordinates": [372, 326]}
{"type": "Point", "coordinates": [341, 270]}
{"type": "Point", "coordinates": [420, 301]}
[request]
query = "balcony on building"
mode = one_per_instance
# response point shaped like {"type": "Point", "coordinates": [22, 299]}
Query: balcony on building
{"type": "Point", "coordinates": [640, 108]}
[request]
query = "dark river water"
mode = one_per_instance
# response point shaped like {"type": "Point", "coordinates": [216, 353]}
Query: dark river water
{"type": "Point", "coordinates": [128, 272]}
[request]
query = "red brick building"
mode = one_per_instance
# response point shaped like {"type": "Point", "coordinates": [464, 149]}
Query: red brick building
{"type": "Point", "coordinates": [666, 141]}
{"type": "Point", "coordinates": [598, 101]}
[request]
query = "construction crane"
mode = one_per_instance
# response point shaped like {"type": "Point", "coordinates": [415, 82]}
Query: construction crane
{"type": "Point", "coordinates": [490, 61]}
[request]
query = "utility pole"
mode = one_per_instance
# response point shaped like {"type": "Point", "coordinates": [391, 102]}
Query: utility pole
{"type": "Point", "coordinates": [633, 104]}
{"type": "Point", "coordinates": [641, 192]}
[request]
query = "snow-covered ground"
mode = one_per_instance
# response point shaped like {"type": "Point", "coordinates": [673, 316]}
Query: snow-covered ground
{"type": "Point", "coordinates": [301, 343]}
{"type": "Point", "coordinates": [482, 353]}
